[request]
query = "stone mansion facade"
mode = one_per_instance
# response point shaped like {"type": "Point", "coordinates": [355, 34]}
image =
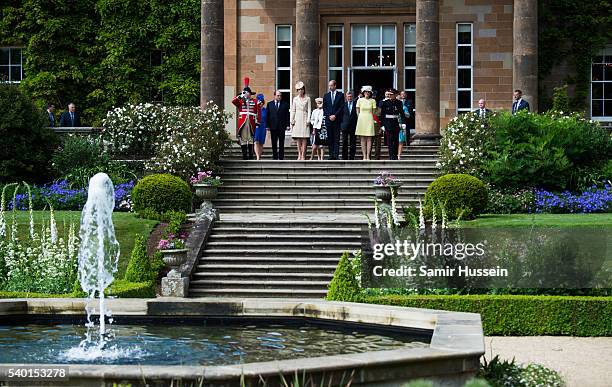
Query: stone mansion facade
{"type": "Point", "coordinates": [446, 53]}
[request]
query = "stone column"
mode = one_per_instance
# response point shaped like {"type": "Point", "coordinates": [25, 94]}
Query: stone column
{"type": "Point", "coordinates": [211, 54]}
{"type": "Point", "coordinates": [427, 73]}
{"type": "Point", "coordinates": [525, 50]}
{"type": "Point", "coordinates": [306, 60]}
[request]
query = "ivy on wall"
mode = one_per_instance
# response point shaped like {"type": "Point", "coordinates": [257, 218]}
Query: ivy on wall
{"type": "Point", "coordinates": [575, 31]}
{"type": "Point", "coordinates": [97, 53]}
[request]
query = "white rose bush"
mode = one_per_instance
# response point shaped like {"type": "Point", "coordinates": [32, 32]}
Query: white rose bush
{"type": "Point", "coordinates": [463, 144]}
{"type": "Point", "coordinates": [171, 139]}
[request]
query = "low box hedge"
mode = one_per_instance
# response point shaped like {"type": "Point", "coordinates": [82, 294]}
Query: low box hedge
{"type": "Point", "coordinates": [118, 289]}
{"type": "Point", "coordinates": [127, 289]}
{"type": "Point", "coordinates": [510, 315]}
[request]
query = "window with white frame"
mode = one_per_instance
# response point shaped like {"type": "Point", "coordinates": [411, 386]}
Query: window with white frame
{"type": "Point", "coordinates": [335, 55]}
{"type": "Point", "coordinates": [283, 60]}
{"type": "Point", "coordinates": [410, 62]}
{"type": "Point", "coordinates": [11, 64]}
{"type": "Point", "coordinates": [373, 45]}
{"type": "Point", "coordinates": [601, 86]}
{"type": "Point", "coordinates": [464, 67]}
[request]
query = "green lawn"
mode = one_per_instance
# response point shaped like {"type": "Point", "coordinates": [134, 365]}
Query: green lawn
{"type": "Point", "coordinates": [540, 220]}
{"type": "Point", "coordinates": [127, 226]}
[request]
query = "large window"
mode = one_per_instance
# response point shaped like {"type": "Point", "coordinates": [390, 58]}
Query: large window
{"type": "Point", "coordinates": [464, 68]}
{"type": "Point", "coordinates": [373, 45]}
{"type": "Point", "coordinates": [410, 62]}
{"type": "Point", "coordinates": [601, 86]}
{"type": "Point", "coordinates": [11, 64]}
{"type": "Point", "coordinates": [283, 60]}
{"type": "Point", "coordinates": [335, 55]}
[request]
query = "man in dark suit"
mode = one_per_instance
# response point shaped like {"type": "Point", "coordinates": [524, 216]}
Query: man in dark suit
{"type": "Point", "coordinates": [482, 111]}
{"type": "Point", "coordinates": [519, 103]}
{"type": "Point", "coordinates": [70, 118]}
{"type": "Point", "coordinates": [277, 121]}
{"type": "Point", "coordinates": [333, 106]}
{"type": "Point", "coordinates": [348, 126]}
{"type": "Point", "coordinates": [50, 115]}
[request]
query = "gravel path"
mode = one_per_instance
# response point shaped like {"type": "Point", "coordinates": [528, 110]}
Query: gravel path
{"type": "Point", "coordinates": [582, 361]}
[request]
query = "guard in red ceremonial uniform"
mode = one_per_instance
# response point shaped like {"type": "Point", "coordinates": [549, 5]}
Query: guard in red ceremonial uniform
{"type": "Point", "coordinates": [248, 118]}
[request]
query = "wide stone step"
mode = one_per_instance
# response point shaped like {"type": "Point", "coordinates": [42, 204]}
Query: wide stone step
{"type": "Point", "coordinates": [209, 268]}
{"type": "Point", "coordinates": [303, 209]}
{"type": "Point", "coordinates": [327, 166]}
{"type": "Point", "coordinates": [281, 231]}
{"type": "Point", "coordinates": [283, 245]}
{"type": "Point", "coordinates": [364, 199]}
{"type": "Point", "coordinates": [319, 181]}
{"type": "Point", "coordinates": [327, 172]}
{"type": "Point", "coordinates": [270, 259]}
{"type": "Point", "coordinates": [272, 188]}
{"type": "Point", "coordinates": [264, 276]}
{"type": "Point", "coordinates": [260, 284]}
{"type": "Point", "coordinates": [332, 198]}
{"type": "Point", "coordinates": [257, 293]}
{"type": "Point", "coordinates": [217, 236]}
{"type": "Point", "coordinates": [259, 252]}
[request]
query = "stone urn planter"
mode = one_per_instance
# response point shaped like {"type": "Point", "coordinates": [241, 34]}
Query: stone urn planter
{"type": "Point", "coordinates": [206, 192]}
{"type": "Point", "coordinates": [174, 258]}
{"type": "Point", "coordinates": [383, 192]}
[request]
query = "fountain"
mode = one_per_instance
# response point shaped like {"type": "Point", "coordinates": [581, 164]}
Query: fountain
{"type": "Point", "coordinates": [97, 259]}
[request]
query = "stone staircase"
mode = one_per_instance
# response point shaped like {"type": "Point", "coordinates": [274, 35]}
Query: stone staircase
{"type": "Point", "coordinates": [285, 224]}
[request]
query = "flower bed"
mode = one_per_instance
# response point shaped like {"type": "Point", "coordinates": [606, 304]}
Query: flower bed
{"type": "Point", "coordinates": [61, 196]}
{"type": "Point", "coordinates": [593, 200]}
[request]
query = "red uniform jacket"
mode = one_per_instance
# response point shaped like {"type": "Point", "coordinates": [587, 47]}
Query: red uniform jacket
{"type": "Point", "coordinates": [247, 110]}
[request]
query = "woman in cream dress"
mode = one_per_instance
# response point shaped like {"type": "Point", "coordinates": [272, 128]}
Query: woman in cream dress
{"type": "Point", "coordinates": [366, 108]}
{"type": "Point", "coordinates": [300, 119]}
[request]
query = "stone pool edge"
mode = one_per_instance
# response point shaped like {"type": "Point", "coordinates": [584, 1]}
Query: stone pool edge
{"type": "Point", "coordinates": [453, 355]}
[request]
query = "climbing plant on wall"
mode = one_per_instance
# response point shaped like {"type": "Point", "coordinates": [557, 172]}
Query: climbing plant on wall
{"type": "Point", "coordinates": [576, 31]}
{"type": "Point", "coordinates": [97, 53]}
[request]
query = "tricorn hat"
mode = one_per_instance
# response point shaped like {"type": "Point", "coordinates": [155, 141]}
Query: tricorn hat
{"type": "Point", "coordinates": [246, 85]}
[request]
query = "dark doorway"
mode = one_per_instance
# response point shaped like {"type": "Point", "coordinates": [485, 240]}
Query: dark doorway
{"type": "Point", "coordinates": [380, 80]}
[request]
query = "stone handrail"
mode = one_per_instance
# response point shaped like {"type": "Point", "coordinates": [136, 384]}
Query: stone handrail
{"type": "Point", "coordinates": [76, 129]}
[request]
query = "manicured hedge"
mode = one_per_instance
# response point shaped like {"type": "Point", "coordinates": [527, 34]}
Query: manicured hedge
{"type": "Point", "coordinates": [119, 289]}
{"type": "Point", "coordinates": [521, 315]}
{"type": "Point", "coordinates": [126, 289]}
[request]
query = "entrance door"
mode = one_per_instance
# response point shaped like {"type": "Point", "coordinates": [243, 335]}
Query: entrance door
{"type": "Point", "coordinates": [380, 80]}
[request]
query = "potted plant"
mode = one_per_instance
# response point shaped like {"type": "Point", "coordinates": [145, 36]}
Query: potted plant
{"type": "Point", "coordinates": [175, 253]}
{"type": "Point", "coordinates": [386, 186]}
{"type": "Point", "coordinates": [205, 185]}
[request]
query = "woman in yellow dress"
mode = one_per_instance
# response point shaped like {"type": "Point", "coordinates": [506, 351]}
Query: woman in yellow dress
{"type": "Point", "coordinates": [366, 108]}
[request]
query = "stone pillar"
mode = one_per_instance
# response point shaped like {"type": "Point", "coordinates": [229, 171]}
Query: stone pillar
{"type": "Point", "coordinates": [525, 50]}
{"type": "Point", "coordinates": [306, 60]}
{"type": "Point", "coordinates": [211, 54]}
{"type": "Point", "coordinates": [427, 73]}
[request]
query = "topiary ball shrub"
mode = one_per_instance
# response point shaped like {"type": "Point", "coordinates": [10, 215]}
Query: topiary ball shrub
{"type": "Point", "coordinates": [161, 193]}
{"type": "Point", "coordinates": [344, 286]}
{"type": "Point", "coordinates": [461, 195]}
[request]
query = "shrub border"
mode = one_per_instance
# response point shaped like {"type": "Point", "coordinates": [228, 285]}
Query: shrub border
{"type": "Point", "coordinates": [518, 315]}
{"type": "Point", "coordinates": [118, 289]}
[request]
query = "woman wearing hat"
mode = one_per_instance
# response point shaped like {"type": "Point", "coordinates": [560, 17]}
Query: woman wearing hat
{"type": "Point", "coordinates": [260, 131]}
{"type": "Point", "coordinates": [300, 119]}
{"type": "Point", "coordinates": [366, 108]}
